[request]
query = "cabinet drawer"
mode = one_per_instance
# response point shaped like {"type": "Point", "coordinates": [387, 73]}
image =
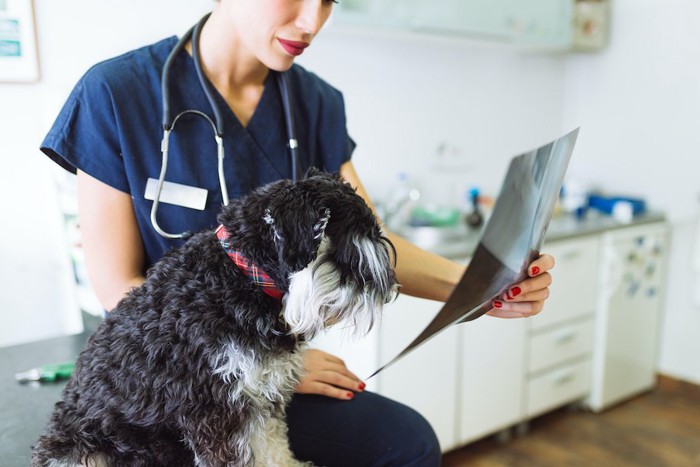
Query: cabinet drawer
{"type": "Point", "coordinates": [575, 281]}
{"type": "Point", "coordinates": [557, 387]}
{"type": "Point", "coordinates": [562, 343]}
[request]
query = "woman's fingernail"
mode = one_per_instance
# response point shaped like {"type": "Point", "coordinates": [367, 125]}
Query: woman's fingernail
{"type": "Point", "coordinates": [350, 395]}
{"type": "Point", "coordinates": [497, 304]}
{"type": "Point", "coordinates": [514, 292]}
{"type": "Point", "coordinates": [535, 270]}
{"type": "Point", "coordinates": [362, 386]}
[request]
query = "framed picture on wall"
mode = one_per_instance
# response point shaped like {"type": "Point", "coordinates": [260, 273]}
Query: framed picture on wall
{"type": "Point", "coordinates": [18, 51]}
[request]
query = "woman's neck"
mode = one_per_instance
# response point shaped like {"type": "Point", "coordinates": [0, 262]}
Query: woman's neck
{"type": "Point", "coordinates": [236, 74]}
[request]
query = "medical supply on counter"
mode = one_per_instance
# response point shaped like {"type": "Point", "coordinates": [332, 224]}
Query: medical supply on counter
{"type": "Point", "coordinates": [606, 205]}
{"type": "Point", "coordinates": [475, 218]}
{"type": "Point", "coordinates": [47, 373]}
{"type": "Point", "coordinates": [400, 201]}
{"type": "Point", "coordinates": [217, 124]}
{"type": "Point", "coordinates": [432, 215]}
{"type": "Point", "coordinates": [623, 212]}
{"type": "Point", "coordinates": [573, 198]}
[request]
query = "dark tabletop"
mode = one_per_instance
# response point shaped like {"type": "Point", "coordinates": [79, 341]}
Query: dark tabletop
{"type": "Point", "coordinates": [25, 408]}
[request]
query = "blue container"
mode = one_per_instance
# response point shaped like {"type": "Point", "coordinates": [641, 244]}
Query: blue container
{"type": "Point", "coordinates": [606, 204]}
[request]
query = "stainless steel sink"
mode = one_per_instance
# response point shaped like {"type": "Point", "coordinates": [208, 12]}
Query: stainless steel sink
{"type": "Point", "coordinates": [450, 241]}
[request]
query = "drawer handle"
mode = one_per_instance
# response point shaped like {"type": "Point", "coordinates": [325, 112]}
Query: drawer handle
{"type": "Point", "coordinates": [570, 254]}
{"type": "Point", "coordinates": [562, 379]}
{"type": "Point", "coordinates": [565, 337]}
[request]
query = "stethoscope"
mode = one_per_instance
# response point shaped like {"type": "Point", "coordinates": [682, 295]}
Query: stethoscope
{"type": "Point", "coordinates": [217, 125]}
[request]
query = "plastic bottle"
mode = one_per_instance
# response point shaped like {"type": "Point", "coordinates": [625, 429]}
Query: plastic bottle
{"type": "Point", "coordinates": [475, 218]}
{"type": "Point", "coordinates": [400, 201]}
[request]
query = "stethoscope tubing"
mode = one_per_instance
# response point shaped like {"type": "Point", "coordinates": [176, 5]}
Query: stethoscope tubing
{"type": "Point", "coordinates": [217, 124]}
{"type": "Point", "coordinates": [292, 142]}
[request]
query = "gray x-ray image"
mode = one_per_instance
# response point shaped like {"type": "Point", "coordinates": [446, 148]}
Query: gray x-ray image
{"type": "Point", "coordinates": [512, 238]}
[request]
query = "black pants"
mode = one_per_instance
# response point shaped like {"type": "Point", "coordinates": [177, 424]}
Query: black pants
{"type": "Point", "coordinates": [369, 430]}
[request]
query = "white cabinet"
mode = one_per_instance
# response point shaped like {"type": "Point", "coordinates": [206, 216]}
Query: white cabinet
{"type": "Point", "coordinates": [467, 381]}
{"type": "Point", "coordinates": [631, 292]}
{"type": "Point", "coordinates": [575, 282]}
{"type": "Point", "coordinates": [360, 354]}
{"type": "Point", "coordinates": [566, 342]}
{"type": "Point", "coordinates": [427, 378]}
{"type": "Point", "coordinates": [559, 341]}
{"type": "Point", "coordinates": [491, 384]}
{"type": "Point", "coordinates": [557, 387]}
{"type": "Point", "coordinates": [595, 339]}
{"type": "Point", "coordinates": [546, 23]}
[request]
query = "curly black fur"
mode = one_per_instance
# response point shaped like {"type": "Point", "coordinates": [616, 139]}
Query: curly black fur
{"type": "Point", "coordinates": [146, 390]}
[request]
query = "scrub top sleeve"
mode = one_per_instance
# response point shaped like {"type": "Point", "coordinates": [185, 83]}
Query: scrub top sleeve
{"type": "Point", "coordinates": [85, 134]}
{"type": "Point", "coordinates": [351, 145]}
{"type": "Point", "coordinates": [341, 145]}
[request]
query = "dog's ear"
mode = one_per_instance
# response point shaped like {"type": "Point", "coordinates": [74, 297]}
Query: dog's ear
{"type": "Point", "coordinates": [269, 220]}
{"type": "Point", "coordinates": [320, 226]}
{"type": "Point", "coordinates": [312, 172]}
{"type": "Point", "coordinates": [296, 238]}
{"type": "Point", "coordinates": [315, 172]}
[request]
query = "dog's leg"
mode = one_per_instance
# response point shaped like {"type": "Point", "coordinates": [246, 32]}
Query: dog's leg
{"type": "Point", "coordinates": [93, 461]}
{"type": "Point", "coordinates": [242, 440]}
{"type": "Point", "coordinates": [220, 439]}
{"type": "Point", "coordinates": [271, 446]}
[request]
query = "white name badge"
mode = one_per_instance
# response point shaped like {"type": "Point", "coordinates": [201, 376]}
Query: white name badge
{"type": "Point", "coordinates": [177, 194]}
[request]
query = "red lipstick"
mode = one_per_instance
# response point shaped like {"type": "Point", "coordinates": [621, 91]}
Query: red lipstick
{"type": "Point", "coordinates": [293, 47]}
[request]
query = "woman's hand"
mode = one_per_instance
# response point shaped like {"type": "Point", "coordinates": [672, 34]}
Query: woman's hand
{"type": "Point", "coordinates": [526, 298]}
{"type": "Point", "coordinates": [328, 376]}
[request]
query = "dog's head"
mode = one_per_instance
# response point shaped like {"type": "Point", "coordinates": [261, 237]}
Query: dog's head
{"type": "Point", "coordinates": [321, 243]}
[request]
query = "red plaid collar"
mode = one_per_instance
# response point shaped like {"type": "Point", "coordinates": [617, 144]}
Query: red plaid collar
{"type": "Point", "coordinates": [253, 272]}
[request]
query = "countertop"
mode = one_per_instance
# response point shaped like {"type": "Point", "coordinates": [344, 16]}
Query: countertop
{"type": "Point", "coordinates": [464, 242]}
{"type": "Point", "coordinates": [565, 227]}
{"type": "Point", "coordinates": [25, 408]}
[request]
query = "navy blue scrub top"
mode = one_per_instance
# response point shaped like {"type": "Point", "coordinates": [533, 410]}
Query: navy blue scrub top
{"type": "Point", "coordinates": [110, 128]}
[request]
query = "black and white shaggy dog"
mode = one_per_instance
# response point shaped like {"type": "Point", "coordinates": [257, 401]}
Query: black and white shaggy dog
{"type": "Point", "coordinates": [195, 367]}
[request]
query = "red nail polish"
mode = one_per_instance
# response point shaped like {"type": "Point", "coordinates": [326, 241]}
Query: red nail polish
{"type": "Point", "coordinates": [350, 395]}
{"type": "Point", "coordinates": [515, 291]}
{"type": "Point", "coordinates": [497, 304]}
{"type": "Point", "coordinates": [535, 271]}
{"type": "Point", "coordinates": [362, 386]}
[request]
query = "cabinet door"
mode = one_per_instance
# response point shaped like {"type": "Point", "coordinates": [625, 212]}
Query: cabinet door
{"type": "Point", "coordinates": [558, 387]}
{"type": "Point", "coordinates": [629, 309]}
{"type": "Point", "coordinates": [575, 280]}
{"type": "Point", "coordinates": [360, 354]}
{"type": "Point", "coordinates": [492, 366]}
{"type": "Point", "coordinates": [555, 346]}
{"type": "Point", "coordinates": [536, 22]}
{"type": "Point", "coordinates": [425, 379]}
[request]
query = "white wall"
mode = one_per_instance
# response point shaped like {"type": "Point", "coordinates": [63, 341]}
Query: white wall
{"type": "Point", "coordinates": [638, 103]}
{"type": "Point", "coordinates": [408, 94]}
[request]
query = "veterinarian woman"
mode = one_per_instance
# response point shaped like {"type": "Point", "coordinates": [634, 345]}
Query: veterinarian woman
{"type": "Point", "coordinates": [109, 132]}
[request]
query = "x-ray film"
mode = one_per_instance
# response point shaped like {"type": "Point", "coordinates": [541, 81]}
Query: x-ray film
{"type": "Point", "coordinates": [511, 239]}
